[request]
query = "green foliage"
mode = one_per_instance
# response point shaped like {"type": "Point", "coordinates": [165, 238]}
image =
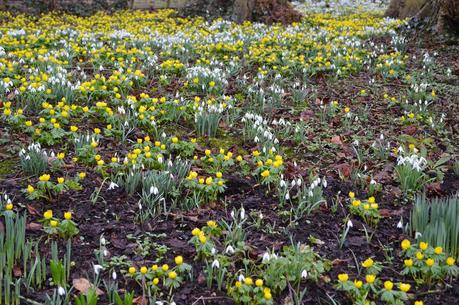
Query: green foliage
{"type": "Point", "coordinates": [436, 221]}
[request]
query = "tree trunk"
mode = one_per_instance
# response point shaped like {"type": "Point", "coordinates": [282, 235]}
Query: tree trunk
{"type": "Point", "coordinates": [442, 14]}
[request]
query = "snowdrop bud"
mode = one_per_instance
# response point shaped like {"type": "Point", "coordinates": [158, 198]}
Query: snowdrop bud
{"type": "Point", "coordinates": [103, 242]}
{"type": "Point", "coordinates": [400, 224]}
{"type": "Point", "coordinates": [349, 224]}
{"type": "Point", "coordinates": [324, 182]}
{"type": "Point", "coordinates": [61, 291]}
{"type": "Point", "coordinates": [304, 274]}
{"type": "Point", "coordinates": [287, 196]}
{"type": "Point", "coordinates": [213, 251]}
{"type": "Point", "coordinates": [232, 214]}
{"type": "Point", "coordinates": [242, 213]}
{"type": "Point", "coordinates": [114, 275]}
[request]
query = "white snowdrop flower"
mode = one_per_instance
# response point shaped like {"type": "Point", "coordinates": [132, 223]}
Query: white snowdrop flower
{"type": "Point", "coordinates": [304, 274]}
{"type": "Point", "coordinates": [105, 252]}
{"type": "Point", "coordinates": [159, 303]}
{"type": "Point", "coordinates": [287, 196]}
{"type": "Point", "coordinates": [373, 181]}
{"type": "Point", "coordinates": [97, 269]}
{"type": "Point", "coordinates": [140, 206]}
{"type": "Point", "coordinates": [260, 216]}
{"type": "Point", "coordinates": [400, 224]}
{"type": "Point", "coordinates": [282, 183]}
{"type": "Point", "coordinates": [299, 181]}
{"type": "Point", "coordinates": [61, 291]}
{"type": "Point", "coordinates": [310, 193]}
{"type": "Point", "coordinates": [266, 257]}
{"type": "Point", "coordinates": [103, 242]}
{"type": "Point", "coordinates": [154, 190]}
{"type": "Point", "coordinates": [232, 214]}
{"type": "Point", "coordinates": [173, 303]}
{"type": "Point", "coordinates": [324, 182]}
{"type": "Point", "coordinates": [417, 235]}
{"type": "Point", "coordinates": [293, 183]}
{"type": "Point", "coordinates": [349, 224]}
{"type": "Point", "coordinates": [242, 213]}
{"type": "Point", "coordinates": [216, 264]}
{"type": "Point", "coordinates": [114, 275]}
{"type": "Point", "coordinates": [112, 186]}
{"type": "Point", "coordinates": [241, 278]}
{"type": "Point", "coordinates": [213, 251]}
{"type": "Point", "coordinates": [229, 250]}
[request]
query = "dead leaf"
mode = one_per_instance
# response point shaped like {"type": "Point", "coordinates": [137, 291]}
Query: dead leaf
{"type": "Point", "coordinates": [17, 271]}
{"type": "Point", "coordinates": [83, 285]}
{"type": "Point", "coordinates": [345, 169]}
{"type": "Point", "coordinates": [32, 210]}
{"type": "Point", "coordinates": [336, 140]}
{"type": "Point", "coordinates": [434, 187]}
{"type": "Point", "coordinates": [140, 301]}
{"type": "Point", "coordinates": [410, 130]}
{"type": "Point", "coordinates": [33, 226]}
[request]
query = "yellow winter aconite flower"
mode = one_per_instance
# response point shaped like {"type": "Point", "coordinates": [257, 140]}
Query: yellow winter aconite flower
{"type": "Point", "coordinates": [450, 261]}
{"type": "Point", "coordinates": [211, 223]}
{"type": "Point", "coordinates": [265, 173]}
{"type": "Point", "coordinates": [405, 287]}
{"type": "Point", "coordinates": [259, 283]}
{"type": "Point", "coordinates": [68, 215]}
{"type": "Point", "coordinates": [388, 285]}
{"type": "Point", "coordinates": [48, 214]}
{"type": "Point", "coordinates": [368, 263]}
{"type": "Point", "coordinates": [9, 206]}
{"type": "Point", "coordinates": [370, 278]}
{"type": "Point", "coordinates": [172, 275]}
{"type": "Point", "coordinates": [419, 303]}
{"type": "Point", "coordinates": [60, 180]}
{"type": "Point", "coordinates": [53, 223]}
{"type": "Point", "coordinates": [358, 284]}
{"type": "Point", "coordinates": [351, 195]}
{"type": "Point", "coordinates": [406, 244]}
{"type": "Point", "coordinates": [143, 270]}
{"type": "Point", "coordinates": [30, 189]}
{"type": "Point", "coordinates": [44, 178]}
{"type": "Point", "coordinates": [408, 262]}
{"type": "Point", "coordinates": [195, 232]}
{"type": "Point", "coordinates": [165, 267]}
{"type": "Point", "coordinates": [430, 262]}
{"type": "Point", "coordinates": [178, 260]}
{"type": "Point", "coordinates": [248, 281]}
{"type": "Point", "coordinates": [132, 270]}
{"type": "Point", "coordinates": [155, 281]}
{"type": "Point", "coordinates": [423, 245]}
{"type": "Point", "coordinates": [438, 250]}
{"type": "Point", "coordinates": [343, 277]}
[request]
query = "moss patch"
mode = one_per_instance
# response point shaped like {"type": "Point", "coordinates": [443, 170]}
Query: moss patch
{"type": "Point", "coordinates": [7, 167]}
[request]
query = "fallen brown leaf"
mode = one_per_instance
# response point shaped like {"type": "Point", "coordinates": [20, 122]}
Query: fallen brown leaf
{"type": "Point", "coordinates": [83, 285]}
{"type": "Point", "coordinates": [336, 140]}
